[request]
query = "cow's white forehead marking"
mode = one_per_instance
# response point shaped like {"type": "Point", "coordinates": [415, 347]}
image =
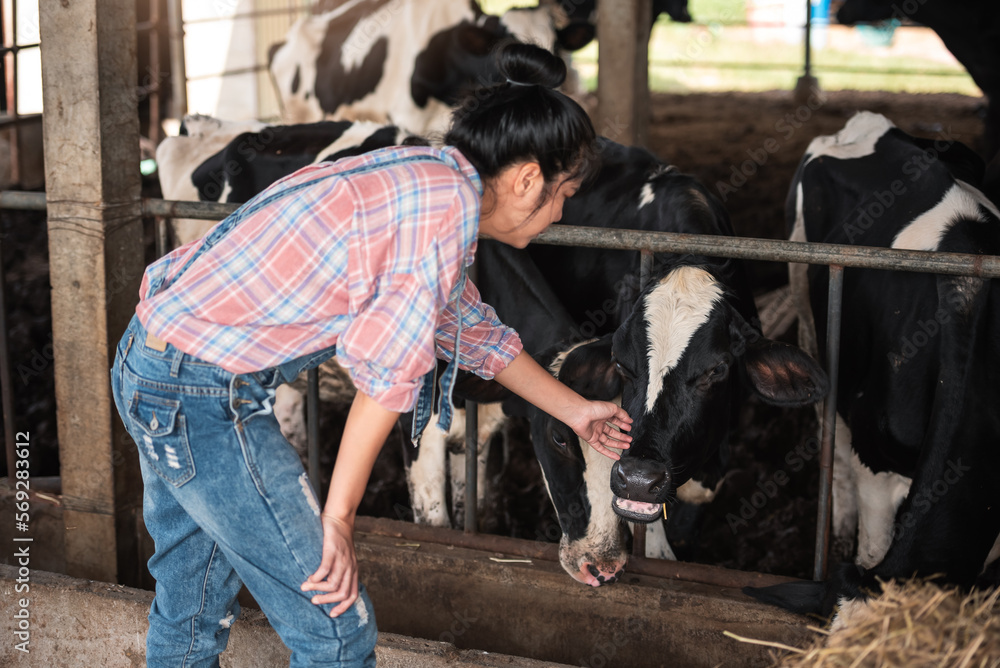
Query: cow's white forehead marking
{"type": "Point", "coordinates": [926, 230]}
{"type": "Point", "coordinates": [675, 309]}
{"type": "Point", "coordinates": [646, 196]}
{"type": "Point", "coordinates": [857, 139]}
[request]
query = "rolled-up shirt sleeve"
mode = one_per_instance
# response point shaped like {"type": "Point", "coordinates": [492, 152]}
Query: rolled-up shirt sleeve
{"type": "Point", "coordinates": [389, 344]}
{"type": "Point", "coordinates": [487, 345]}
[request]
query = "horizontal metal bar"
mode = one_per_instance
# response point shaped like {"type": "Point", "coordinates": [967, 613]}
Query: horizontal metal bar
{"type": "Point", "coordinates": [16, 119]}
{"type": "Point", "coordinates": [229, 73]}
{"type": "Point", "coordinates": [744, 248]}
{"type": "Point", "coordinates": [749, 248]}
{"type": "Point", "coordinates": [4, 50]}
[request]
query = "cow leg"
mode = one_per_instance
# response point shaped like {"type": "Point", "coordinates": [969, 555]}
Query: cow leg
{"type": "Point", "coordinates": [879, 497]}
{"type": "Point", "coordinates": [425, 478]}
{"type": "Point", "coordinates": [289, 409]}
{"type": "Point", "coordinates": [491, 420]}
{"type": "Point", "coordinates": [657, 546]}
{"type": "Point", "coordinates": [845, 496]}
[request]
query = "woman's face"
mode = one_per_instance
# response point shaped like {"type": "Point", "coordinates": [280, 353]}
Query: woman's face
{"type": "Point", "coordinates": [511, 207]}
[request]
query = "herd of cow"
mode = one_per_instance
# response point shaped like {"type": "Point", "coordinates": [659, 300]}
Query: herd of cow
{"type": "Point", "coordinates": [918, 434]}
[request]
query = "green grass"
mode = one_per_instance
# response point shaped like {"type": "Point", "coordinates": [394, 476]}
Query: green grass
{"type": "Point", "coordinates": [713, 54]}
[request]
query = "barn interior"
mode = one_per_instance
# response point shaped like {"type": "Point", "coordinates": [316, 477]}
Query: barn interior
{"type": "Point", "coordinates": [732, 98]}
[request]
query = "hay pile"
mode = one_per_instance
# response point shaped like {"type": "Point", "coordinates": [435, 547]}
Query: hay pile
{"type": "Point", "coordinates": [912, 624]}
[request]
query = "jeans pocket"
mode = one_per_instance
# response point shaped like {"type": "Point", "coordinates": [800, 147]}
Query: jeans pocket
{"type": "Point", "coordinates": [162, 432]}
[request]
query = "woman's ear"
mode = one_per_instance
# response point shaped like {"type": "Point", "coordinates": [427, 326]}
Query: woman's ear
{"type": "Point", "coordinates": [527, 180]}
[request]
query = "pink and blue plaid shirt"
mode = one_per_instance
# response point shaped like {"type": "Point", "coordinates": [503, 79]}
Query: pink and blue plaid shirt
{"type": "Point", "coordinates": [369, 262]}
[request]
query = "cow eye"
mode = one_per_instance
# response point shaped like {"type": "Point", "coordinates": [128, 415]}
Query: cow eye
{"type": "Point", "coordinates": [622, 371]}
{"type": "Point", "coordinates": [719, 372]}
{"type": "Point", "coordinates": [559, 440]}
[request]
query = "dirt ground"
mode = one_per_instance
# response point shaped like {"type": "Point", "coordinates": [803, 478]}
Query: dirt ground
{"type": "Point", "coordinates": [745, 148]}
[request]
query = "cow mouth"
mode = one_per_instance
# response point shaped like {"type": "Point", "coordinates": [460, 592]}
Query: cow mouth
{"type": "Point", "coordinates": [637, 511]}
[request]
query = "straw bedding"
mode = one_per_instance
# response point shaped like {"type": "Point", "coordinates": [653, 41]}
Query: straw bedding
{"type": "Point", "coordinates": [912, 624]}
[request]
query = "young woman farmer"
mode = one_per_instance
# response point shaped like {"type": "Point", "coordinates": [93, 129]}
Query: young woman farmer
{"type": "Point", "coordinates": [364, 259]}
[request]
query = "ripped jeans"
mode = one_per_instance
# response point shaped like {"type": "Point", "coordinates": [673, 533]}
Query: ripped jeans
{"type": "Point", "coordinates": [227, 502]}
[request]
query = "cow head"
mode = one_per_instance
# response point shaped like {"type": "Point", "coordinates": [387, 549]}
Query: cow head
{"type": "Point", "coordinates": [593, 546]}
{"type": "Point", "coordinates": [686, 357]}
{"type": "Point", "coordinates": [863, 11]}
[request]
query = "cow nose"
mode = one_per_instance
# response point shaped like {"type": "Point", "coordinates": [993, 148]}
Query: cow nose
{"type": "Point", "coordinates": [640, 480]}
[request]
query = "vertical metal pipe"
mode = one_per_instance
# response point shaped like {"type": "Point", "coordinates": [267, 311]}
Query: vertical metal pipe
{"type": "Point", "coordinates": [6, 388]}
{"type": "Point", "coordinates": [807, 68]}
{"type": "Point", "coordinates": [10, 86]}
{"type": "Point", "coordinates": [154, 76]}
{"type": "Point", "coordinates": [835, 297]}
{"type": "Point", "coordinates": [178, 71]}
{"type": "Point", "coordinates": [471, 466]}
{"type": "Point", "coordinates": [645, 274]}
{"type": "Point", "coordinates": [162, 237]}
{"type": "Point", "coordinates": [312, 428]}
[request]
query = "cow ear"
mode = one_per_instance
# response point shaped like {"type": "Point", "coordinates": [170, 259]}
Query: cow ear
{"type": "Point", "coordinates": [784, 375]}
{"type": "Point", "coordinates": [575, 36]}
{"type": "Point", "coordinates": [590, 371]}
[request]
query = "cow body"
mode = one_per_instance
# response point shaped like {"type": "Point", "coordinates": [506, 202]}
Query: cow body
{"type": "Point", "coordinates": [220, 161]}
{"type": "Point", "coordinates": [968, 28]}
{"type": "Point", "coordinates": [406, 62]}
{"type": "Point", "coordinates": [918, 435]}
{"type": "Point", "coordinates": [586, 10]}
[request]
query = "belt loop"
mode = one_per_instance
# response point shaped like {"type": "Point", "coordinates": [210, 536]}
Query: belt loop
{"type": "Point", "coordinates": [175, 366]}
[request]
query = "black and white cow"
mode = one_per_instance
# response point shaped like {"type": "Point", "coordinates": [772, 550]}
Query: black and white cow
{"type": "Point", "coordinates": [401, 61]}
{"type": "Point", "coordinates": [970, 30]}
{"type": "Point", "coordinates": [689, 342]}
{"type": "Point", "coordinates": [231, 161]}
{"type": "Point", "coordinates": [917, 461]}
{"type": "Point", "coordinates": [688, 347]}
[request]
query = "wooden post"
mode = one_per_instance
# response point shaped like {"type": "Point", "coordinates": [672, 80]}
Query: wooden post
{"type": "Point", "coordinates": [623, 70]}
{"type": "Point", "coordinates": [91, 127]}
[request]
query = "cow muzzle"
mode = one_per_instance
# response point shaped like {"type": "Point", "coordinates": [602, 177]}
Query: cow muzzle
{"type": "Point", "coordinates": [641, 487]}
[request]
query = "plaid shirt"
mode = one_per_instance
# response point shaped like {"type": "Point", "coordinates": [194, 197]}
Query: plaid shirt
{"type": "Point", "coordinates": [369, 262]}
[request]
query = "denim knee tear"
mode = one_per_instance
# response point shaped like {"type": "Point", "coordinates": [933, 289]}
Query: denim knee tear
{"type": "Point", "coordinates": [150, 451]}
{"type": "Point", "coordinates": [227, 621]}
{"type": "Point", "coordinates": [172, 460]}
{"type": "Point", "coordinates": [308, 491]}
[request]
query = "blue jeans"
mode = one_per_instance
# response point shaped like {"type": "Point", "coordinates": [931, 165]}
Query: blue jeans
{"type": "Point", "coordinates": [227, 502]}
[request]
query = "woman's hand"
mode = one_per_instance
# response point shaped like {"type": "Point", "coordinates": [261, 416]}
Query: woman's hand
{"type": "Point", "coordinates": [337, 575]}
{"type": "Point", "coordinates": [368, 425]}
{"type": "Point", "coordinates": [601, 424]}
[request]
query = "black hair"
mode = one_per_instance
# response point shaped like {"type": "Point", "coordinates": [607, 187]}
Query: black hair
{"type": "Point", "coordinates": [523, 118]}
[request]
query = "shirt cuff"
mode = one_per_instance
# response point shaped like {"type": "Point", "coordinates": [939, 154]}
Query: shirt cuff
{"type": "Point", "coordinates": [510, 346]}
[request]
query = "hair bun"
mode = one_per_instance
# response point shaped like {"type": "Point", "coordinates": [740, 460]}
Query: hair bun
{"type": "Point", "coordinates": [530, 65]}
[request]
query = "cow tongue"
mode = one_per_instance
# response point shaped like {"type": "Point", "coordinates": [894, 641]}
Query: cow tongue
{"type": "Point", "coordinates": [637, 506]}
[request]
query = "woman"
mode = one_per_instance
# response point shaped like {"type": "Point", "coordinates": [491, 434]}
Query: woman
{"type": "Point", "coordinates": [363, 259]}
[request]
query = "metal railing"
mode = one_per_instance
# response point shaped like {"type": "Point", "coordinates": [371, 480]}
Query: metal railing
{"type": "Point", "coordinates": [836, 257]}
